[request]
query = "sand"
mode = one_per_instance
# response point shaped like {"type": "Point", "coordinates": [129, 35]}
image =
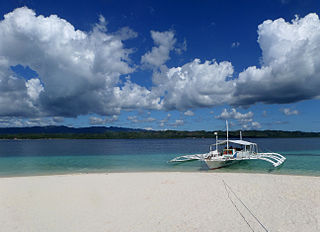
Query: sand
{"type": "Point", "coordinates": [160, 202]}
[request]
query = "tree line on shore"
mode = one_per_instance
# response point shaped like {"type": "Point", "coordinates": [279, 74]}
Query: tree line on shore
{"type": "Point", "coordinates": [167, 134]}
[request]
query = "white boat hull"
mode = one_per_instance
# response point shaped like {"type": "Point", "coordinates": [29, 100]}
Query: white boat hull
{"type": "Point", "coordinates": [215, 164]}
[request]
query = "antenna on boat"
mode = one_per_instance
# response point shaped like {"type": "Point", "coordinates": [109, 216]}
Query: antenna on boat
{"type": "Point", "coordinates": [240, 135]}
{"type": "Point", "coordinates": [227, 134]}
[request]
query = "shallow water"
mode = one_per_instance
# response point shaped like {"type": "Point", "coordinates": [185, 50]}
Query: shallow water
{"type": "Point", "coordinates": [43, 157]}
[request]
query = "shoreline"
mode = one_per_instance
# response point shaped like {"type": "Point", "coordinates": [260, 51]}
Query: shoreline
{"type": "Point", "coordinates": [153, 138]}
{"type": "Point", "coordinates": [160, 201]}
{"type": "Point", "coordinates": [165, 171]}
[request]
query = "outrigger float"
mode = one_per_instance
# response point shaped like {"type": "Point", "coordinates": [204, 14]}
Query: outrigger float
{"type": "Point", "coordinates": [233, 151]}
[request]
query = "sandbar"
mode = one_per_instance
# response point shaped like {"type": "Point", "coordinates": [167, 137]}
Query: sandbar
{"type": "Point", "coordinates": [164, 201]}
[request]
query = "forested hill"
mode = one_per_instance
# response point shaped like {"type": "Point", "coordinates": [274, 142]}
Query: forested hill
{"type": "Point", "coordinates": [130, 133]}
{"type": "Point", "coordinates": [63, 130]}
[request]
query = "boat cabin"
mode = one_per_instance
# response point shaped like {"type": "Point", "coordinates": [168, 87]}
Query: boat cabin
{"type": "Point", "coordinates": [230, 148]}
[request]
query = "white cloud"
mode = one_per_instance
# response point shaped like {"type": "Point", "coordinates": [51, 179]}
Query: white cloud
{"type": "Point", "coordinates": [235, 44]}
{"type": "Point", "coordinates": [113, 118]}
{"type": "Point", "coordinates": [102, 121]}
{"type": "Point", "coordinates": [289, 72]}
{"type": "Point", "coordinates": [58, 119]}
{"type": "Point", "coordinates": [234, 114]}
{"type": "Point", "coordinates": [11, 122]}
{"type": "Point", "coordinates": [256, 125]}
{"type": "Point", "coordinates": [125, 33]}
{"type": "Point", "coordinates": [96, 121]}
{"type": "Point", "coordinates": [159, 55]}
{"type": "Point", "coordinates": [288, 111]}
{"type": "Point", "coordinates": [34, 88]}
{"type": "Point", "coordinates": [135, 119]}
{"type": "Point", "coordinates": [78, 71]}
{"type": "Point", "coordinates": [164, 121]}
{"type": "Point", "coordinates": [180, 48]}
{"type": "Point", "coordinates": [150, 119]}
{"type": "Point", "coordinates": [133, 96]}
{"type": "Point", "coordinates": [290, 63]}
{"type": "Point", "coordinates": [251, 125]}
{"type": "Point", "coordinates": [194, 84]}
{"type": "Point", "coordinates": [177, 123]}
{"type": "Point", "coordinates": [189, 113]}
{"type": "Point", "coordinates": [26, 122]}
{"type": "Point", "coordinates": [244, 119]}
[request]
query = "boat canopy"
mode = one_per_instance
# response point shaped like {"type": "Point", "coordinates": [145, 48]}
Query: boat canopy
{"type": "Point", "coordinates": [240, 142]}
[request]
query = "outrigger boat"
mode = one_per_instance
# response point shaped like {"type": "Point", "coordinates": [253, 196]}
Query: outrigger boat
{"type": "Point", "coordinates": [232, 151]}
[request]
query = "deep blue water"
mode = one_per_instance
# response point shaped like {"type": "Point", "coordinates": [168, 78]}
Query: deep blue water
{"type": "Point", "coordinates": [42, 157]}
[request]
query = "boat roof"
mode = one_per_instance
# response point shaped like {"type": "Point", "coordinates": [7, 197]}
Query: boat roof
{"type": "Point", "coordinates": [241, 142]}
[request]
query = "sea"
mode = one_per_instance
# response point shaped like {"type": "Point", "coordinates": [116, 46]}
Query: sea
{"type": "Point", "coordinates": [65, 156]}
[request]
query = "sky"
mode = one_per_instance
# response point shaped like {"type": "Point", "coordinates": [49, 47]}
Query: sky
{"type": "Point", "coordinates": [183, 65]}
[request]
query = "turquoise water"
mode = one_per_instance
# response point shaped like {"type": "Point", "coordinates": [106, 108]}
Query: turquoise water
{"type": "Point", "coordinates": [43, 157]}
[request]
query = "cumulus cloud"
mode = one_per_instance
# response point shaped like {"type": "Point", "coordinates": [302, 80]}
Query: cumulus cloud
{"type": "Point", "coordinates": [159, 54]}
{"type": "Point", "coordinates": [34, 88]}
{"type": "Point", "coordinates": [289, 71]}
{"type": "Point", "coordinates": [288, 111]}
{"type": "Point", "coordinates": [79, 72]}
{"type": "Point", "coordinates": [234, 114]}
{"type": "Point", "coordinates": [189, 113]}
{"type": "Point", "coordinates": [251, 125]}
{"type": "Point", "coordinates": [243, 119]}
{"type": "Point", "coordinates": [102, 121]}
{"type": "Point", "coordinates": [133, 96]}
{"type": "Point", "coordinates": [96, 121]}
{"type": "Point", "coordinates": [194, 84]}
{"type": "Point", "coordinates": [290, 63]}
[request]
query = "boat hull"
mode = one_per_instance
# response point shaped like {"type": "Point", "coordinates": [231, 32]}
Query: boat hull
{"type": "Point", "coordinates": [214, 164]}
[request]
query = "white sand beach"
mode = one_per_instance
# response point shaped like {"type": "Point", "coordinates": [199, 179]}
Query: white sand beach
{"type": "Point", "coordinates": [160, 202]}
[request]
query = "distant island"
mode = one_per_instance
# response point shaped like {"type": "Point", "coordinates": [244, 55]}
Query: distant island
{"type": "Point", "coordinates": [64, 132]}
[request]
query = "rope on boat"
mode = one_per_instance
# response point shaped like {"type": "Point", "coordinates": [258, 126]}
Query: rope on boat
{"type": "Point", "coordinates": [226, 185]}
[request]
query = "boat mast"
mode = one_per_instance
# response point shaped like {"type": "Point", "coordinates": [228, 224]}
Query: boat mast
{"type": "Point", "coordinates": [216, 133]}
{"type": "Point", "coordinates": [227, 135]}
{"type": "Point", "coordinates": [240, 135]}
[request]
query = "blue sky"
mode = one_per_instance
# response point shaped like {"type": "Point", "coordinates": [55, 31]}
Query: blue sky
{"type": "Point", "coordinates": [185, 65]}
